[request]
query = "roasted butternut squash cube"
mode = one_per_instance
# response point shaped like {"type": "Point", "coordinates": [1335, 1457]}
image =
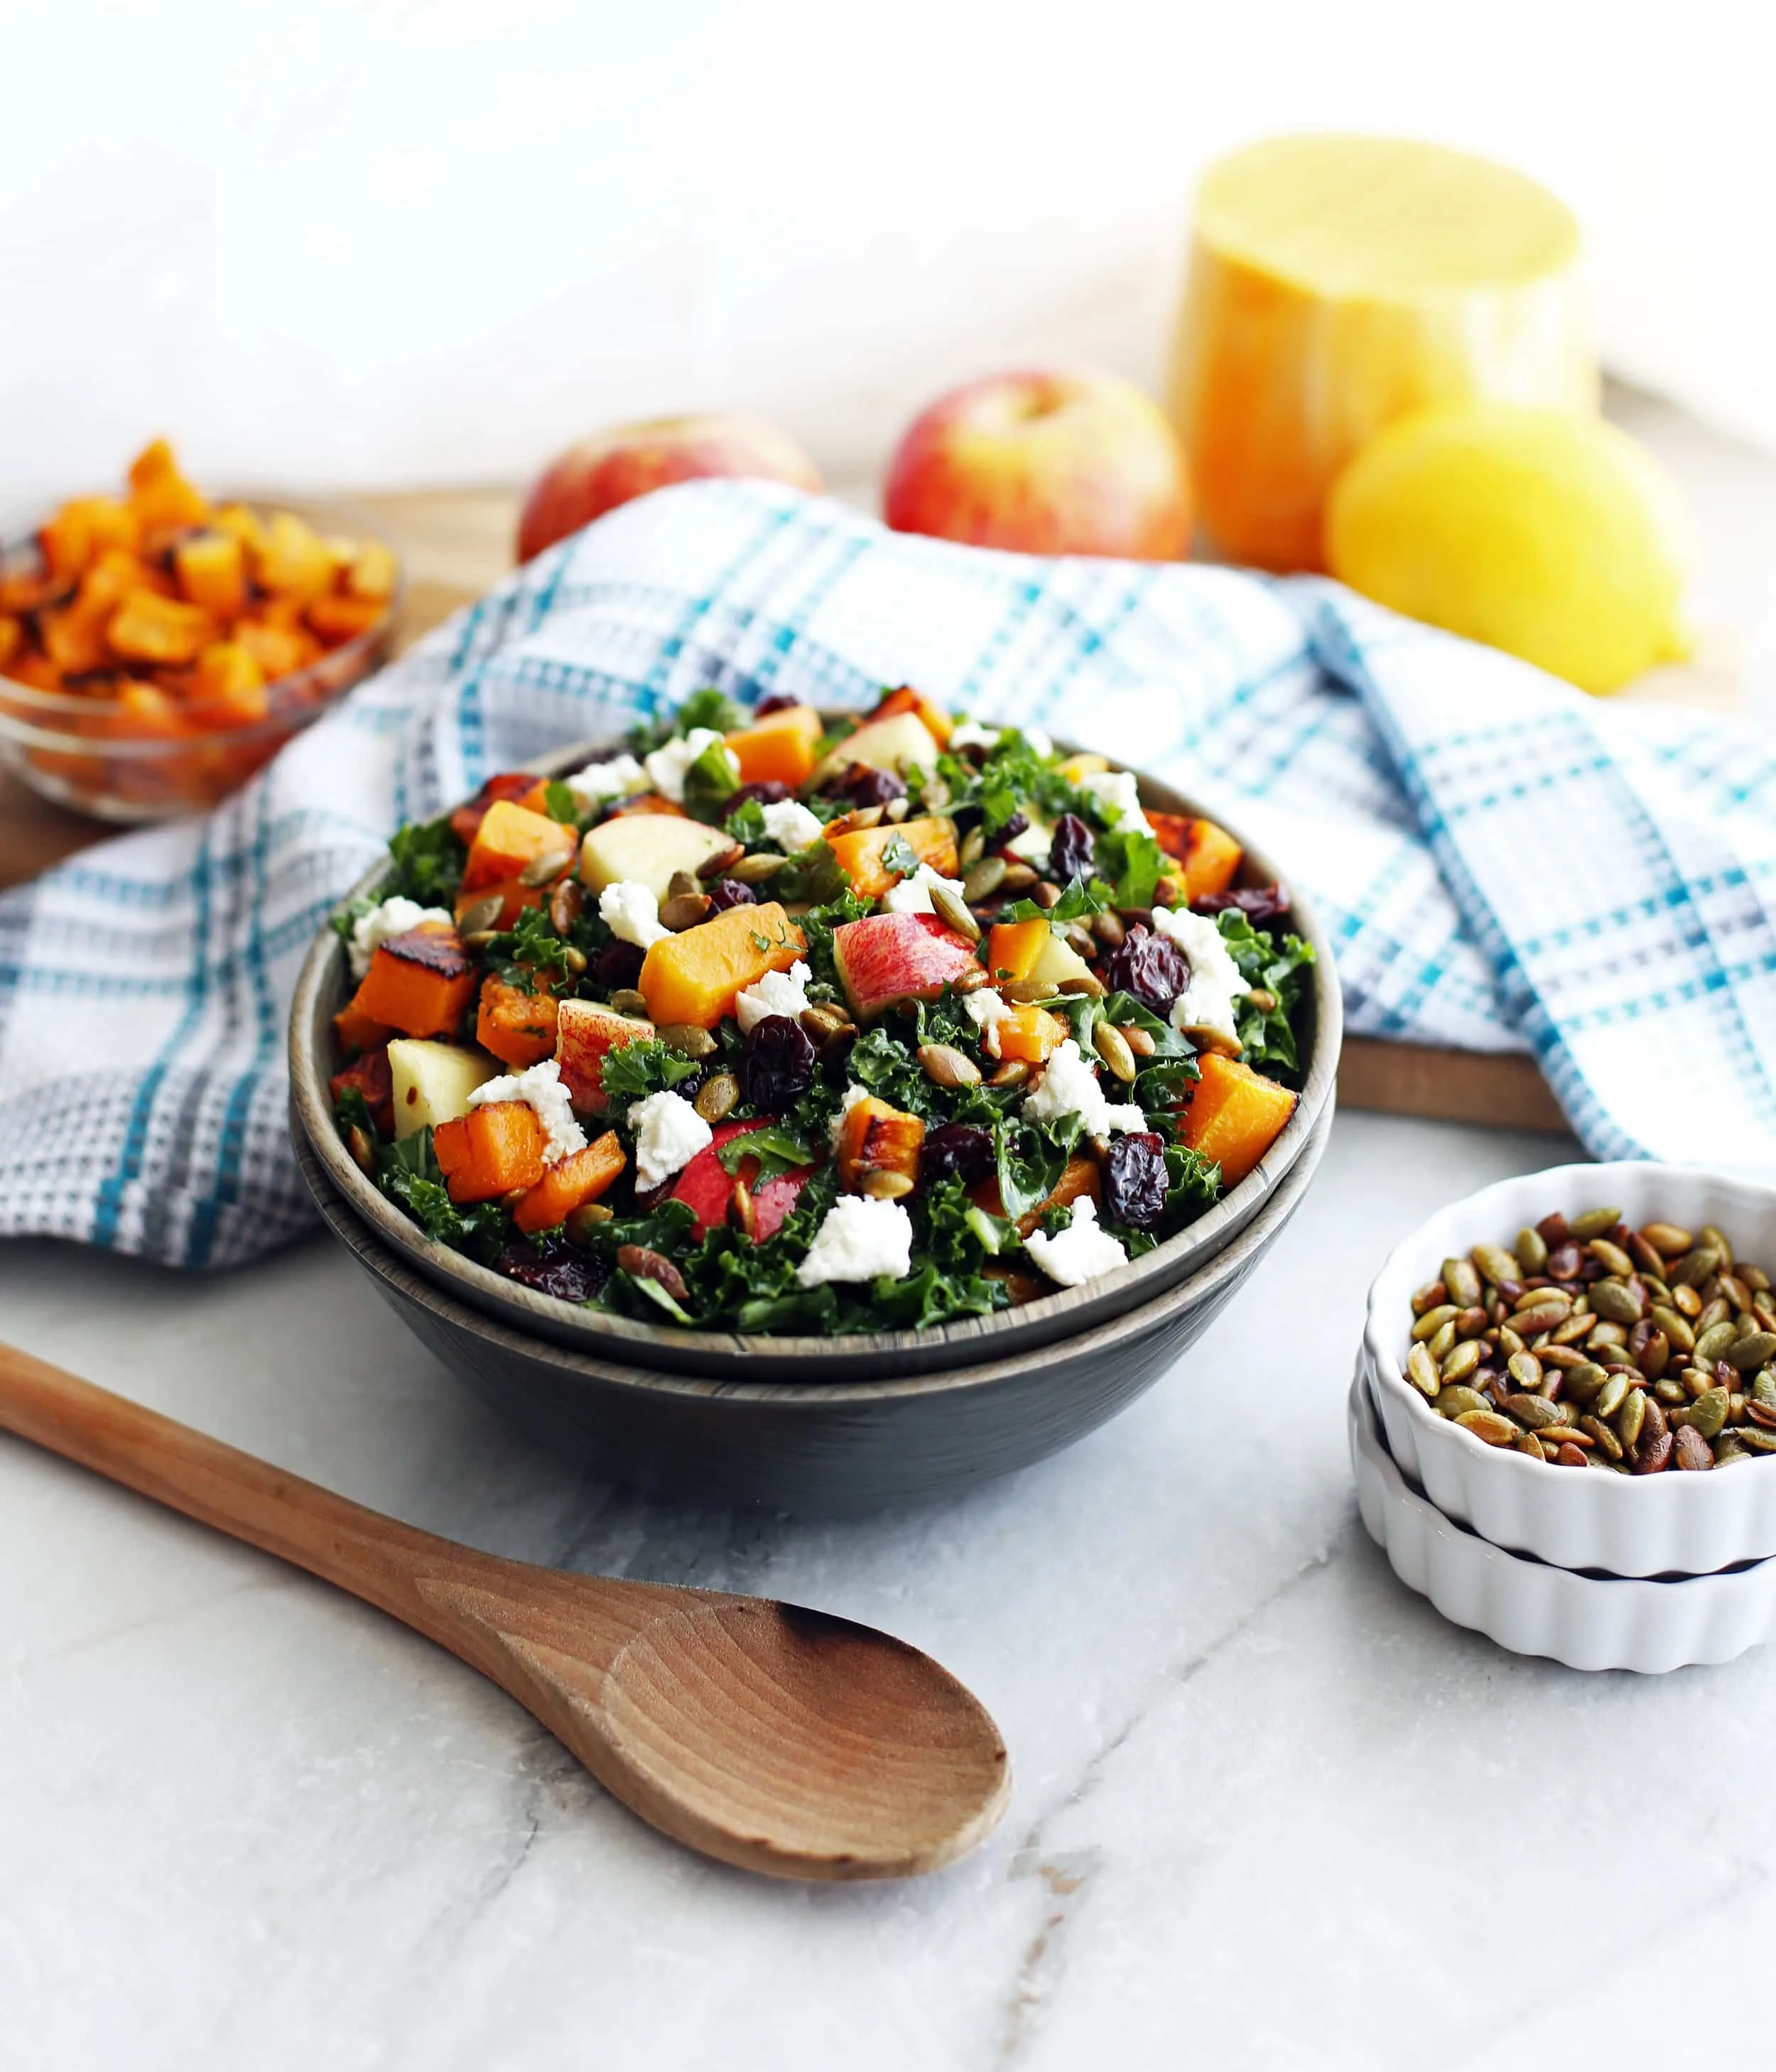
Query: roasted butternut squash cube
{"type": "Point", "coordinates": [510, 840]}
{"type": "Point", "coordinates": [932, 840]}
{"type": "Point", "coordinates": [1210, 857]}
{"type": "Point", "coordinates": [779, 748]}
{"type": "Point", "coordinates": [338, 619]}
{"type": "Point", "coordinates": [490, 1151]}
{"type": "Point", "coordinates": [419, 983]}
{"type": "Point", "coordinates": [578, 1178]}
{"type": "Point", "coordinates": [1030, 1035]}
{"type": "Point", "coordinates": [877, 1139]}
{"type": "Point", "coordinates": [279, 650]}
{"type": "Point", "coordinates": [518, 1027]}
{"type": "Point", "coordinates": [937, 722]}
{"type": "Point", "coordinates": [160, 497]}
{"type": "Point", "coordinates": [160, 630]}
{"type": "Point", "coordinates": [372, 573]}
{"type": "Point", "coordinates": [74, 640]}
{"type": "Point", "coordinates": [211, 567]}
{"type": "Point", "coordinates": [74, 538]}
{"type": "Point", "coordinates": [1234, 1115]}
{"type": "Point", "coordinates": [694, 977]}
{"type": "Point", "coordinates": [1014, 948]}
{"type": "Point", "coordinates": [12, 637]}
{"type": "Point", "coordinates": [227, 686]}
{"type": "Point", "coordinates": [295, 562]}
{"type": "Point", "coordinates": [504, 784]}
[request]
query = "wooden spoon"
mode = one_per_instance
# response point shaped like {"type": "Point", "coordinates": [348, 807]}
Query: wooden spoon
{"type": "Point", "coordinates": [776, 1739]}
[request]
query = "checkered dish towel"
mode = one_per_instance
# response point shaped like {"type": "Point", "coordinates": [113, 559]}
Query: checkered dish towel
{"type": "Point", "coordinates": [1502, 863]}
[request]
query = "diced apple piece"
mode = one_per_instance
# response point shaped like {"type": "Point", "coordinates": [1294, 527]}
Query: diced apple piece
{"type": "Point", "coordinates": [433, 1082]}
{"type": "Point", "coordinates": [1077, 767]}
{"type": "Point", "coordinates": [693, 977]}
{"type": "Point", "coordinates": [887, 957]}
{"type": "Point", "coordinates": [706, 1187]}
{"type": "Point", "coordinates": [937, 723]}
{"type": "Point", "coordinates": [647, 849]}
{"type": "Point", "coordinates": [932, 840]}
{"type": "Point", "coordinates": [1057, 962]}
{"type": "Point", "coordinates": [585, 1033]}
{"type": "Point", "coordinates": [899, 743]}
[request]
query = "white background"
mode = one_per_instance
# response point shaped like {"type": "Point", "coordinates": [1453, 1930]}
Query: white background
{"type": "Point", "coordinates": [354, 242]}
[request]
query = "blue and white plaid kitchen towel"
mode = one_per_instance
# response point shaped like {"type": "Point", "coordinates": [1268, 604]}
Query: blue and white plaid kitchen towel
{"type": "Point", "coordinates": [1502, 862]}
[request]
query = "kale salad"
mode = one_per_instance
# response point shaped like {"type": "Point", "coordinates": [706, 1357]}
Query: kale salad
{"type": "Point", "coordinates": [771, 1023]}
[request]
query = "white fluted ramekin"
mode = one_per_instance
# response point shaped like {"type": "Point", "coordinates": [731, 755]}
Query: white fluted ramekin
{"type": "Point", "coordinates": [1531, 1608]}
{"type": "Point", "coordinates": [1654, 1525]}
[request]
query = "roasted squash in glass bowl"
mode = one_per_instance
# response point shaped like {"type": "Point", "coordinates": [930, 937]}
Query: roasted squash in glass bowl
{"type": "Point", "coordinates": [158, 648]}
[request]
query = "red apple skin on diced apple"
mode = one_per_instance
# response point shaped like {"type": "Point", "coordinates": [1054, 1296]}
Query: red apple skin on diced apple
{"type": "Point", "coordinates": [706, 1187]}
{"type": "Point", "coordinates": [887, 957]}
{"type": "Point", "coordinates": [585, 1034]}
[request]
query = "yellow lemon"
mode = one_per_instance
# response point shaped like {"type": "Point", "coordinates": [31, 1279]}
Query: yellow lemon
{"type": "Point", "coordinates": [1550, 535]}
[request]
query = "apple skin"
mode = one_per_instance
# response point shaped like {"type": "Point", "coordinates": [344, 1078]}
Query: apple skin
{"type": "Point", "coordinates": [1066, 462]}
{"type": "Point", "coordinates": [706, 1187]}
{"type": "Point", "coordinates": [584, 1033]}
{"type": "Point", "coordinates": [626, 461]}
{"type": "Point", "coordinates": [887, 957]}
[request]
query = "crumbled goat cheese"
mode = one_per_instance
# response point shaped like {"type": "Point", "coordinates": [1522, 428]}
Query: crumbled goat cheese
{"type": "Point", "coordinates": [630, 911]}
{"type": "Point", "coordinates": [1117, 796]}
{"type": "Point", "coordinates": [854, 1093]}
{"type": "Point", "coordinates": [666, 766]}
{"type": "Point", "coordinates": [859, 1237]}
{"type": "Point", "coordinates": [669, 1133]}
{"type": "Point", "coordinates": [539, 1086]}
{"type": "Point", "coordinates": [1207, 1002]}
{"type": "Point", "coordinates": [1069, 1086]}
{"type": "Point", "coordinates": [913, 895]}
{"type": "Point", "coordinates": [970, 734]}
{"type": "Point", "coordinates": [777, 992]}
{"type": "Point", "coordinates": [985, 1007]}
{"type": "Point", "coordinates": [393, 917]}
{"type": "Point", "coordinates": [1040, 740]}
{"type": "Point", "coordinates": [792, 826]}
{"type": "Point", "coordinates": [614, 779]}
{"type": "Point", "coordinates": [1078, 1253]}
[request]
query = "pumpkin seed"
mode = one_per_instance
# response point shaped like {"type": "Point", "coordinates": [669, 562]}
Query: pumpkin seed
{"type": "Point", "coordinates": [1427, 1296]}
{"type": "Point", "coordinates": [742, 1212]}
{"type": "Point", "coordinates": [1526, 1442]}
{"type": "Point", "coordinates": [1583, 1382]}
{"type": "Point", "coordinates": [479, 939]}
{"type": "Point", "coordinates": [1018, 877]}
{"type": "Point", "coordinates": [1710, 1236]}
{"type": "Point", "coordinates": [945, 1065]}
{"type": "Point", "coordinates": [1112, 1046]}
{"type": "Point", "coordinates": [1631, 1418]}
{"type": "Point", "coordinates": [1594, 1223]}
{"type": "Point", "coordinates": [687, 1039]}
{"type": "Point", "coordinates": [1108, 929]}
{"type": "Point", "coordinates": [543, 869]}
{"type": "Point", "coordinates": [1080, 940]}
{"type": "Point", "coordinates": [573, 960]}
{"type": "Point", "coordinates": [824, 1021]}
{"type": "Point", "coordinates": [1712, 1344]}
{"type": "Point", "coordinates": [974, 847]}
{"type": "Point", "coordinates": [953, 908]}
{"type": "Point", "coordinates": [1706, 1415]}
{"type": "Point", "coordinates": [1013, 1073]}
{"type": "Point", "coordinates": [1462, 1286]}
{"type": "Point", "coordinates": [1463, 1360]}
{"type": "Point", "coordinates": [755, 870]}
{"type": "Point", "coordinates": [1603, 1434]}
{"type": "Point", "coordinates": [1534, 1411]}
{"type": "Point", "coordinates": [1675, 1327]}
{"type": "Point", "coordinates": [1525, 1370]}
{"type": "Point", "coordinates": [1138, 1040]}
{"type": "Point", "coordinates": [970, 979]}
{"type": "Point", "coordinates": [686, 911]}
{"type": "Point", "coordinates": [1439, 1344]}
{"type": "Point", "coordinates": [1046, 895]}
{"type": "Point", "coordinates": [1028, 992]}
{"type": "Point", "coordinates": [1695, 1267]}
{"type": "Point", "coordinates": [1752, 1351]}
{"type": "Point", "coordinates": [580, 1224]}
{"type": "Point", "coordinates": [1609, 1399]}
{"type": "Point", "coordinates": [722, 864]}
{"type": "Point", "coordinates": [1452, 1401]}
{"type": "Point", "coordinates": [1686, 1301]}
{"type": "Point", "coordinates": [1667, 1238]}
{"type": "Point", "coordinates": [1530, 1323]}
{"type": "Point", "coordinates": [1421, 1371]}
{"type": "Point", "coordinates": [1728, 1449]}
{"type": "Point", "coordinates": [483, 914]}
{"type": "Point", "coordinates": [1095, 988]}
{"type": "Point", "coordinates": [1690, 1450]}
{"type": "Point", "coordinates": [1763, 1386]}
{"type": "Point", "coordinates": [1617, 1302]}
{"type": "Point", "coordinates": [626, 1001]}
{"type": "Point", "coordinates": [1531, 1248]}
{"type": "Point", "coordinates": [1433, 1320]}
{"type": "Point", "coordinates": [1755, 1440]}
{"type": "Point", "coordinates": [362, 1151]}
{"type": "Point", "coordinates": [716, 1096]}
{"type": "Point", "coordinates": [1491, 1425]}
{"type": "Point", "coordinates": [1496, 1263]}
{"type": "Point", "coordinates": [984, 878]}
{"type": "Point", "coordinates": [884, 1185]}
{"type": "Point", "coordinates": [1611, 1257]}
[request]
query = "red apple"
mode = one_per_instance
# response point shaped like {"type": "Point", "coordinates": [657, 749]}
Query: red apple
{"type": "Point", "coordinates": [887, 957]}
{"type": "Point", "coordinates": [584, 1033]}
{"type": "Point", "coordinates": [707, 1186]}
{"type": "Point", "coordinates": [1060, 463]}
{"type": "Point", "coordinates": [612, 467]}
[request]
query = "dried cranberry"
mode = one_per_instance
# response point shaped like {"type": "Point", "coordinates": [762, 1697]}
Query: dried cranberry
{"type": "Point", "coordinates": [1152, 967]}
{"type": "Point", "coordinates": [728, 892]}
{"type": "Point", "coordinates": [776, 702]}
{"type": "Point", "coordinates": [555, 1268]}
{"type": "Point", "coordinates": [767, 790]}
{"type": "Point", "coordinates": [777, 1066]}
{"type": "Point", "coordinates": [864, 787]}
{"type": "Point", "coordinates": [619, 965]}
{"type": "Point", "coordinates": [1261, 904]}
{"type": "Point", "coordinates": [1017, 824]}
{"type": "Point", "coordinates": [958, 1148]}
{"type": "Point", "coordinates": [1070, 854]}
{"type": "Point", "coordinates": [1135, 1181]}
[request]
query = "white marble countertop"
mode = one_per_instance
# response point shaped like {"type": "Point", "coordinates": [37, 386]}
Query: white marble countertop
{"type": "Point", "coordinates": [1269, 1810]}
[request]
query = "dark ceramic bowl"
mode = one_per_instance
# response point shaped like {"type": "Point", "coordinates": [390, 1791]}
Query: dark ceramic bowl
{"type": "Point", "coordinates": [324, 984]}
{"type": "Point", "coordinates": [834, 1448]}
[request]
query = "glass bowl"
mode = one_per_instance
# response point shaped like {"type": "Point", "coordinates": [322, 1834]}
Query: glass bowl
{"type": "Point", "coordinates": [93, 755]}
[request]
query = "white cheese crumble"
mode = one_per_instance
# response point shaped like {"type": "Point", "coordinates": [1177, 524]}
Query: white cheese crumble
{"type": "Point", "coordinates": [854, 1093]}
{"type": "Point", "coordinates": [630, 911]}
{"type": "Point", "coordinates": [614, 779]}
{"type": "Point", "coordinates": [1078, 1253]}
{"type": "Point", "coordinates": [985, 1007]}
{"type": "Point", "coordinates": [1069, 1086]}
{"type": "Point", "coordinates": [393, 917]}
{"type": "Point", "coordinates": [792, 826]}
{"type": "Point", "coordinates": [913, 895]}
{"type": "Point", "coordinates": [1207, 1002]}
{"type": "Point", "coordinates": [669, 1133]}
{"type": "Point", "coordinates": [666, 766]}
{"type": "Point", "coordinates": [539, 1087]}
{"type": "Point", "coordinates": [1117, 796]}
{"type": "Point", "coordinates": [777, 992]}
{"type": "Point", "coordinates": [859, 1237]}
{"type": "Point", "coordinates": [969, 734]}
{"type": "Point", "coordinates": [1040, 740]}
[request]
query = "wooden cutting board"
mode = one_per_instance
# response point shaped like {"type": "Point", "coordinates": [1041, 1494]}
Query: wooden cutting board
{"type": "Point", "coordinates": [456, 543]}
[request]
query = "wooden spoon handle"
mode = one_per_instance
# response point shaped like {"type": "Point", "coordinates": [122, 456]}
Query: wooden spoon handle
{"type": "Point", "coordinates": [416, 1577]}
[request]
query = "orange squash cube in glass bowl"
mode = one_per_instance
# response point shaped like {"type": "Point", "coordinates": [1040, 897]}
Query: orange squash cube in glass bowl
{"type": "Point", "coordinates": [158, 648]}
